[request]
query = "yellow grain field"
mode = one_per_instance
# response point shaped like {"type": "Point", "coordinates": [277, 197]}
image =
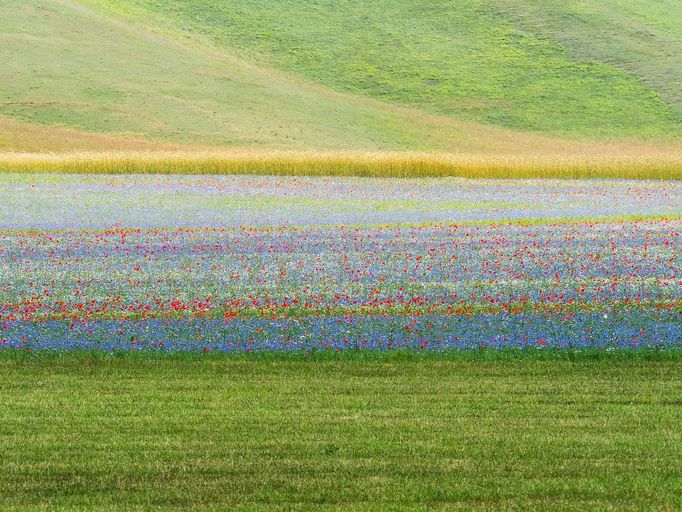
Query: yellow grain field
{"type": "Point", "coordinates": [660, 166]}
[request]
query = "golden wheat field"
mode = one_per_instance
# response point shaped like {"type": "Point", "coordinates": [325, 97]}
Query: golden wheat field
{"type": "Point", "coordinates": [652, 165]}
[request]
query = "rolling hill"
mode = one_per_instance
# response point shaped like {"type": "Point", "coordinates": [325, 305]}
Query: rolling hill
{"type": "Point", "coordinates": [478, 77]}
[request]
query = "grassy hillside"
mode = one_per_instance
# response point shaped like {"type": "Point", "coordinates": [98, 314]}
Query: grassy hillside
{"type": "Point", "coordinates": [473, 77]}
{"type": "Point", "coordinates": [16, 135]}
{"type": "Point", "coordinates": [644, 38]}
{"type": "Point", "coordinates": [67, 65]}
{"type": "Point", "coordinates": [581, 68]}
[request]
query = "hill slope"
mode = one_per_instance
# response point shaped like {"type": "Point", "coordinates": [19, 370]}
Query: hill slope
{"type": "Point", "coordinates": [585, 68]}
{"type": "Point", "coordinates": [465, 76]}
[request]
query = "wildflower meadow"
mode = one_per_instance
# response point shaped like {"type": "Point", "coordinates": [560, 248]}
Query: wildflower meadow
{"type": "Point", "coordinates": [244, 263]}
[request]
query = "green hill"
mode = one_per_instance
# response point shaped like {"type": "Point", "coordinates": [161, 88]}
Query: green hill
{"type": "Point", "coordinates": [323, 74]}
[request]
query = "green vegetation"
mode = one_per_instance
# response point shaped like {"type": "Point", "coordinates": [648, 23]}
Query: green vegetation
{"type": "Point", "coordinates": [523, 89]}
{"type": "Point", "coordinates": [664, 165]}
{"type": "Point", "coordinates": [550, 67]}
{"type": "Point", "coordinates": [66, 65]}
{"type": "Point", "coordinates": [475, 77]}
{"type": "Point", "coordinates": [358, 431]}
{"type": "Point", "coordinates": [643, 38]}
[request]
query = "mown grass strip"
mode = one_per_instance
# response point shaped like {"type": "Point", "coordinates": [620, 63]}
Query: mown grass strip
{"type": "Point", "coordinates": [663, 166]}
{"type": "Point", "coordinates": [353, 433]}
{"type": "Point", "coordinates": [350, 355]}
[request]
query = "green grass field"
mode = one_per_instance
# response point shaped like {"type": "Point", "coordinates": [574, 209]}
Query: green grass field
{"type": "Point", "coordinates": [489, 78]}
{"type": "Point", "coordinates": [97, 74]}
{"type": "Point", "coordinates": [489, 62]}
{"type": "Point", "coordinates": [360, 432]}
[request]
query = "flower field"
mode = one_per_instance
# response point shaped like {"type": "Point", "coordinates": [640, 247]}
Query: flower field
{"type": "Point", "coordinates": [252, 263]}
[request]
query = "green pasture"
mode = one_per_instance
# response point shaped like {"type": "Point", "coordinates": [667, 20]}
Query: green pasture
{"type": "Point", "coordinates": [597, 69]}
{"type": "Point", "coordinates": [479, 77]}
{"type": "Point", "coordinates": [71, 67]}
{"type": "Point", "coordinates": [359, 431]}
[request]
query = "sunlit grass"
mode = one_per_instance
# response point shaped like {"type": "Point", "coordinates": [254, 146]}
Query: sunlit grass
{"type": "Point", "coordinates": [662, 166]}
{"type": "Point", "coordinates": [353, 432]}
